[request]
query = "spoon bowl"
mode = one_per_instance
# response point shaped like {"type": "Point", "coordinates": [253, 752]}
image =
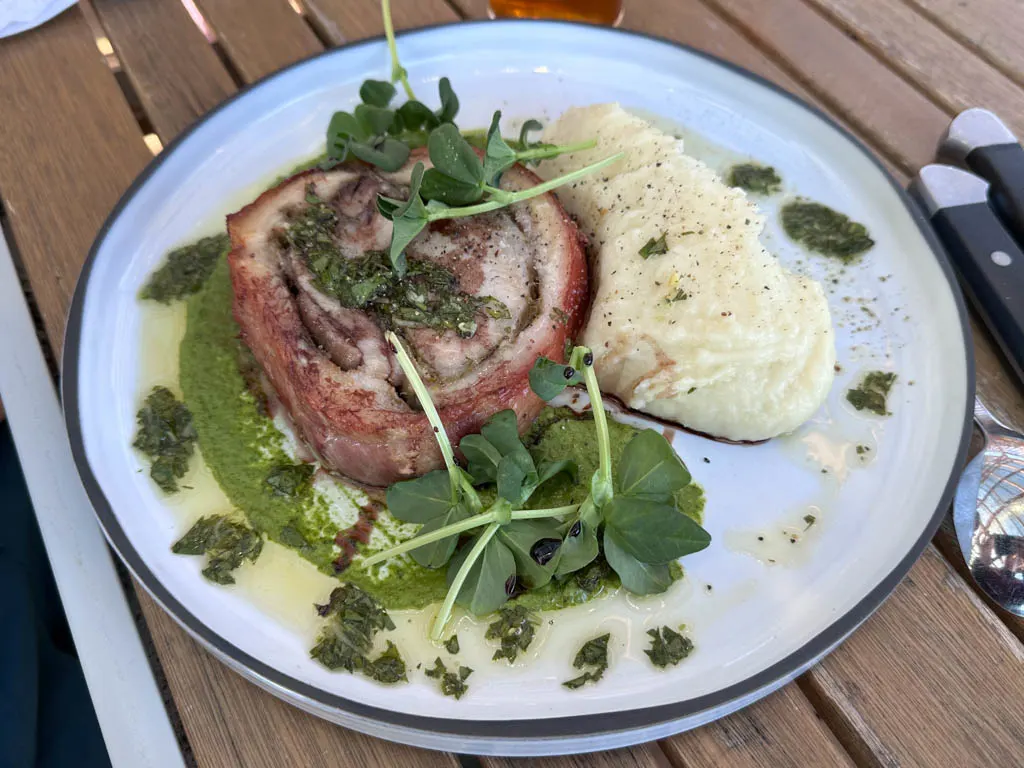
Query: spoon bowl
{"type": "Point", "coordinates": [989, 512]}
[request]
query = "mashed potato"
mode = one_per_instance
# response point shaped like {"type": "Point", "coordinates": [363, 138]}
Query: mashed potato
{"type": "Point", "coordinates": [714, 334]}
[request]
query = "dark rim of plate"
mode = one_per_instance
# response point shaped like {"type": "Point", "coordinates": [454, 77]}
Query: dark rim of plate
{"type": "Point", "coordinates": [566, 727]}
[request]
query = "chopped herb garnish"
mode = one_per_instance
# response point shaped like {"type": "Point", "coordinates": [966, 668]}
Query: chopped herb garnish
{"type": "Point", "coordinates": [387, 668]}
{"type": "Point", "coordinates": [654, 247]}
{"type": "Point", "coordinates": [560, 315]}
{"type": "Point", "coordinates": [353, 620]}
{"type": "Point", "coordinates": [185, 269]}
{"type": "Point", "coordinates": [593, 654]}
{"type": "Point", "coordinates": [679, 295]}
{"type": "Point", "coordinates": [515, 628]}
{"type": "Point", "coordinates": [226, 544]}
{"type": "Point", "coordinates": [668, 647]}
{"type": "Point", "coordinates": [167, 436]}
{"type": "Point", "coordinates": [291, 480]}
{"type": "Point", "coordinates": [759, 179]}
{"type": "Point", "coordinates": [452, 645]}
{"type": "Point", "coordinates": [872, 393]}
{"type": "Point", "coordinates": [427, 295]}
{"type": "Point", "coordinates": [452, 683]}
{"type": "Point", "coordinates": [819, 228]}
{"type": "Point", "coordinates": [810, 520]}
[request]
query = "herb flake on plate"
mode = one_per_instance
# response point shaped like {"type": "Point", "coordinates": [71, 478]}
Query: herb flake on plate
{"type": "Point", "coordinates": [226, 544]}
{"type": "Point", "coordinates": [593, 654]}
{"type": "Point", "coordinates": [755, 178]}
{"type": "Point", "coordinates": [353, 619]}
{"type": "Point", "coordinates": [515, 629]}
{"type": "Point", "coordinates": [185, 269]}
{"type": "Point", "coordinates": [451, 683]}
{"type": "Point", "coordinates": [818, 228]}
{"type": "Point", "coordinates": [872, 393]}
{"type": "Point", "coordinates": [668, 647]}
{"type": "Point", "coordinates": [654, 247]}
{"type": "Point", "coordinates": [167, 436]}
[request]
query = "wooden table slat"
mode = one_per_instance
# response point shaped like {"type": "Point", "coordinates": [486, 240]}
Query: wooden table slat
{"type": "Point", "coordinates": [781, 731]}
{"type": "Point", "coordinates": [259, 36]}
{"type": "Point", "coordinates": [933, 678]}
{"type": "Point", "coordinates": [640, 756]}
{"type": "Point", "coordinates": [173, 69]}
{"type": "Point", "coordinates": [949, 73]}
{"type": "Point", "coordinates": [340, 21]}
{"type": "Point", "coordinates": [69, 146]}
{"type": "Point", "coordinates": [993, 29]}
{"type": "Point", "coordinates": [894, 117]}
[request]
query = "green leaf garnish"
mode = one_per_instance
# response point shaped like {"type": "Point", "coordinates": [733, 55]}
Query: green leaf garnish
{"type": "Point", "coordinates": [650, 468]}
{"type": "Point", "coordinates": [524, 132]}
{"type": "Point", "coordinates": [499, 156]}
{"type": "Point", "coordinates": [654, 247]}
{"type": "Point", "coordinates": [388, 154]}
{"type": "Point", "coordinates": [377, 93]}
{"type": "Point", "coordinates": [523, 539]}
{"type": "Point", "coordinates": [489, 567]}
{"type": "Point", "coordinates": [668, 647]}
{"type": "Point", "coordinates": [593, 654]}
{"type": "Point", "coordinates": [449, 101]}
{"type": "Point", "coordinates": [453, 157]}
{"type": "Point", "coordinates": [452, 645]}
{"type": "Point", "coordinates": [435, 554]}
{"type": "Point", "coordinates": [421, 499]}
{"type": "Point", "coordinates": [375, 121]}
{"type": "Point", "coordinates": [226, 544]}
{"type": "Point", "coordinates": [548, 379]}
{"type": "Point", "coordinates": [652, 531]}
{"type": "Point", "coordinates": [639, 578]}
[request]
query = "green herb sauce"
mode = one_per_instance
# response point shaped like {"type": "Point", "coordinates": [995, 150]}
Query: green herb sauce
{"type": "Point", "coordinates": [818, 228]}
{"type": "Point", "coordinates": [754, 178]}
{"type": "Point", "coordinates": [243, 448]}
{"type": "Point", "coordinates": [872, 394]}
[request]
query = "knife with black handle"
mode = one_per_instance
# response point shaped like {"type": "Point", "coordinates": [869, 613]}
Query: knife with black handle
{"type": "Point", "coordinates": [990, 263]}
{"type": "Point", "coordinates": [979, 140]}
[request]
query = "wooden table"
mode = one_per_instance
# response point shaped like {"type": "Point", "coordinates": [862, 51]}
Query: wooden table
{"type": "Point", "coordinates": [935, 677]}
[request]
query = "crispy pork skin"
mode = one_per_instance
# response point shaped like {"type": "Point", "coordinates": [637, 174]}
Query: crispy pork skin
{"type": "Point", "coordinates": [329, 363]}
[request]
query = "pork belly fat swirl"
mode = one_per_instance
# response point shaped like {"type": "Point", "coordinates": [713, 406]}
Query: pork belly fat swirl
{"type": "Point", "coordinates": [484, 296]}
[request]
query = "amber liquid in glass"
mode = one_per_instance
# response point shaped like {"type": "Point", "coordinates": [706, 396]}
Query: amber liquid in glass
{"type": "Point", "coordinates": [593, 11]}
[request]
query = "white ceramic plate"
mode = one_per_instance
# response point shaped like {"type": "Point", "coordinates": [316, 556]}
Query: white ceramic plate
{"type": "Point", "coordinates": [761, 624]}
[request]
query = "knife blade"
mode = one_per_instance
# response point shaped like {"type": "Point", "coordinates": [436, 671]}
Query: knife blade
{"type": "Point", "coordinates": [988, 259]}
{"type": "Point", "coordinates": [979, 140]}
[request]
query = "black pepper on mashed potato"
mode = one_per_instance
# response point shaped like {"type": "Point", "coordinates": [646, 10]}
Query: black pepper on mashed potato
{"type": "Point", "coordinates": [711, 331]}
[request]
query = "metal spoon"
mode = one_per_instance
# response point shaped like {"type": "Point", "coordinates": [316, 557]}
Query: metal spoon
{"type": "Point", "coordinates": [988, 512]}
